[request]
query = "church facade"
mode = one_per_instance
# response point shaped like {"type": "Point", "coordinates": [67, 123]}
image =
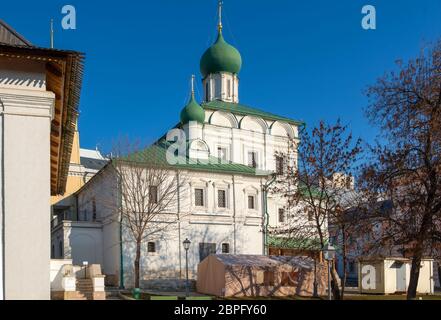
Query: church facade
{"type": "Point", "coordinates": [223, 205]}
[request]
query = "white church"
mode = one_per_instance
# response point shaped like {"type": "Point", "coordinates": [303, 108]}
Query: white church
{"type": "Point", "coordinates": [223, 205]}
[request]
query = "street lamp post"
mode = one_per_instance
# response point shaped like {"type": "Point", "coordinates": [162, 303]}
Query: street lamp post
{"type": "Point", "coordinates": [329, 253]}
{"type": "Point", "coordinates": [186, 244]}
{"type": "Point", "coordinates": [85, 264]}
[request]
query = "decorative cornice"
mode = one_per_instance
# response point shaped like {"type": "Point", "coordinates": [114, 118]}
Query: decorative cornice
{"type": "Point", "coordinates": [27, 103]}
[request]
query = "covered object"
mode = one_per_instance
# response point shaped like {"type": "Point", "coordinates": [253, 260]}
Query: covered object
{"type": "Point", "coordinates": [256, 275]}
{"type": "Point", "coordinates": [387, 275]}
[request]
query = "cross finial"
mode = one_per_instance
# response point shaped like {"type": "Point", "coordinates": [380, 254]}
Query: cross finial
{"type": "Point", "coordinates": [192, 85]}
{"type": "Point", "coordinates": [219, 26]}
{"type": "Point", "coordinates": [52, 34]}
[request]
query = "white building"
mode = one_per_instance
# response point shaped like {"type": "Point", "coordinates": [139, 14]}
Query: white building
{"type": "Point", "coordinates": [222, 204]}
{"type": "Point", "coordinates": [39, 95]}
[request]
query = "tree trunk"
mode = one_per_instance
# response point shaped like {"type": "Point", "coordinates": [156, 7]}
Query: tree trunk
{"type": "Point", "coordinates": [137, 263]}
{"type": "Point", "coordinates": [417, 256]}
{"type": "Point", "coordinates": [335, 288]}
{"type": "Point", "coordinates": [414, 274]}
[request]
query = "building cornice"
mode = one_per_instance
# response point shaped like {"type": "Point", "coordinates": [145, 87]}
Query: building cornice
{"type": "Point", "coordinates": [29, 103]}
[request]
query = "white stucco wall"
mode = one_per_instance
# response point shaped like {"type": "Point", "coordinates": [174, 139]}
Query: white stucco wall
{"type": "Point", "coordinates": [26, 111]}
{"type": "Point", "coordinates": [57, 271]}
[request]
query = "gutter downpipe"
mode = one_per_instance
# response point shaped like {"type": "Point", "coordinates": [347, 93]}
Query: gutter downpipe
{"type": "Point", "coordinates": [179, 223]}
{"type": "Point", "coordinates": [266, 214]}
{"type": "Point", "coordinates": [2, 206]}
{"type": "Point", "coordinates": [234, 215]}
{"type": "Point", "coordinates": [121, 259]}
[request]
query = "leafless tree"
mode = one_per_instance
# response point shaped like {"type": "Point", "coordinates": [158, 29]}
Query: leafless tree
{"type": "Point", "coordinates": [316, 184]}
{"type": "Point", "coordinates": [406, 168]}
{"type": "Point", "coordinates": [147, 191]}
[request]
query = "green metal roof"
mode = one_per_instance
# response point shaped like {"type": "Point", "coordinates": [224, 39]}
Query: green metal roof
{"type": "Point", "coordinates": [156, 155]}
{"type": "Point", "coordinates": [247, 111]}
{"type": "Point", "coordinates": [294, 243]}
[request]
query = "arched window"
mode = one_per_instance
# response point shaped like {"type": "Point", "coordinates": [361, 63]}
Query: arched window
{"type": "Point", "coordinates": [207, 91]}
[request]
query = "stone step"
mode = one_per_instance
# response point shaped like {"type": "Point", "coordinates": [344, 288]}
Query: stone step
{"type": "Point", "coordinates": [80, 296]}
{"type": "Point", "coordinates": [85, 289]}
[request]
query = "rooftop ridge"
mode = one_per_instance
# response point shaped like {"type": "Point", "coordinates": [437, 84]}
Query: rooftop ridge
{"type": "Point", "coordinates": [10, 36]}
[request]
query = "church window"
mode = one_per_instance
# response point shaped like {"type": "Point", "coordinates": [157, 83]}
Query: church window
{"type": "Point", "coordinates": [228, 88]}
{"type": "Point", "coordinates": [199, 197]}
{"type": "Point", "coordinates": [252, 159]}
{"type": "Point", "coordinates": [221, 199]}
{"type": "Point", "coordinates": [251, 202]}
{"type": "Point", "coordinates": [151, 247]}
{"type": "Point", "coordinates": [279, 165]}
{"type": "Point", "coordinates": [222, 153]}
{"type": "Point", "coordinates": [225, 248]}
{"type": "Point", "coordinates": [281, 215]}
{"type": "Point", "coordinates": [207, 90]}
{"type": "Point", "coordinates": [153, 194]}
{"type": "Point", "coordinates": [205, 249]}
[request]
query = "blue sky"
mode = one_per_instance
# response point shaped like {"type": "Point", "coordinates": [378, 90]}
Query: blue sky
{"type": "Point", "coordinates": [309, 60]}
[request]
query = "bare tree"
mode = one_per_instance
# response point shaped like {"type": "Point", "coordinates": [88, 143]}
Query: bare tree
{"type": "Point", "coordinates": [406, 169]}
{"type": "Point", "coordinates": [316, 182]}
{"type": "Point", "coordinates": [147, 190]}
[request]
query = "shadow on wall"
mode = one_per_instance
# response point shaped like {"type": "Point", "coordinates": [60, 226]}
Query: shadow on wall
{"type": "Point", "coordinates": [21, 81]}
{"type": "Point", "coordinates": [168, 263]}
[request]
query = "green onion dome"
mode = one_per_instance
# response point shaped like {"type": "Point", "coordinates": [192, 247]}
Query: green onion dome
{"type": "Point", "coordinates": [192, 112]}
{"type": "Point", "coordinates": [221, 56]}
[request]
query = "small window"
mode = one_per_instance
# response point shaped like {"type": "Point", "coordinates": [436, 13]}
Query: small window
{"type": "Point", "coordinates": [252, 159]}
{"type": "Point", "coordinates": [268, 278]}
{"type": "Point", "coordinates": [153, 194]}
{"type": "Point", "coordinates": [251, 204]}
{"type": "Point", "coordinates": [279, 165]}
{"type": "Point", "coordinates": [310, 215]}
{"type": "Point", "coordinates": [225, 248]}
{"type": "Point", "coordinates": [228, 88]}
{"type": "Point", "coordinates": [222, 153]}
{"type": "Point", "coordinates": [151, 247]}
{"type": "Point", "coordinates": [205, 249]}
{"type": "Point", "coordinates": [221, 199]}
{"type": "Point", "coordinates": [199, 197]}
{"type": "Point", "coordinates": [281, 215]}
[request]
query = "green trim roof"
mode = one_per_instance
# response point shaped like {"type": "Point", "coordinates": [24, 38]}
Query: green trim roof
{"type": "Point", "coordinates": [294, 243]}
{"type": "Point", "coordinates": [156, 155]}
{"type": "Point", "coordinates": [247, 111]}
